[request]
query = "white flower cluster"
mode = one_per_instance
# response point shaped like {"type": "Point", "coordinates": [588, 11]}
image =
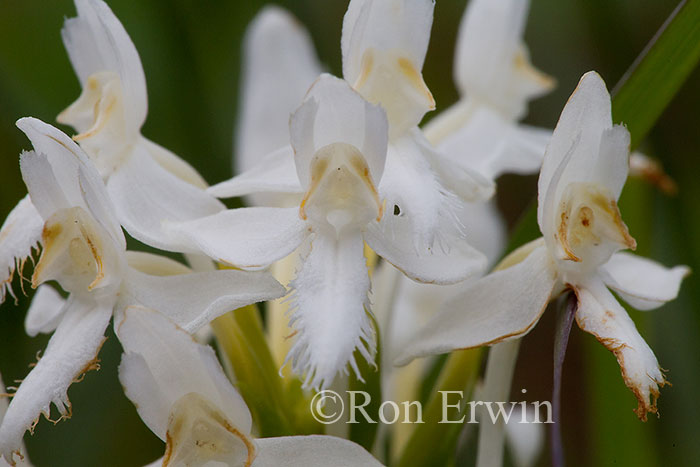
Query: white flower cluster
{"type": "Point", "coordinates": [348, 177]}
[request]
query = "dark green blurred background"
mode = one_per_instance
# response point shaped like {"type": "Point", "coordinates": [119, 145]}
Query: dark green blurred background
{"type": "Point", "coordinates": [191, 55]}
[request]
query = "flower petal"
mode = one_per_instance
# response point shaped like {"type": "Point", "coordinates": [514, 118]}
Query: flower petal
{"type": "Point", "coordinates": [329, 309]}
{"type": "Point", "coordinates": [71, 352]}
{"type": "Point", "coordinates": [23, 460]}
{"type": "Point", "coordinates": [584, 148]}
{"type": "Point", "coordinates": [461, 179]}
{"type": "Point", "coordinates": [310, 451]}
{"type": "Point", "coordinates": [279, 67]}
{"type": "Point", "coordinates": [146, 196]}
{"type": "Point", "coordinates": [384, 45]}
{"type": "Point", "coordinates": [502, 305]}
{"type": "Point", "coordinates": [64, 157]}
{"type": "Point", "coordinates": [247, 238]}
{"type": "Point", "coordinates": [333, 113]}
{"type": "Point", "coordinates": [273, 173]}
{"type": "Point", "coordinates": [490, 144]}
{"type": "Point", "coordinates": [20, 232]}
{"type": "Point", "coordinates": [601, 315]}
{"type": "Point", "coordinates": [45, 311]}
{"type": "Point", "coordinates": [195, 299]}
{"type": "Point", "coordinates": [392, 239]}
{"type": "Point", "coordinates": [491, 61]}
{"type": "Point", "coordinates": [641, 282]}
{"type": "Point", "coordinates": [173, 163]}
{"type": "Point", "coordinates": [162, 363]}
{"type": "Point", "coordinates": [96, 42]}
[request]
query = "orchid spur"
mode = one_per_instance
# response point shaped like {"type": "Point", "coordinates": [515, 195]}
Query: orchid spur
{"type": "Point", "coordinates": [183, 396]}
{"type": "Point", "coordinates": [584, 170]}
{"type": "Point", "coordinates": [84, 251]}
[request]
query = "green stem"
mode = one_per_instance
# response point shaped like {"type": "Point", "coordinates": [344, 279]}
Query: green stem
{"type": "Point", "coordinates": [433, 442]}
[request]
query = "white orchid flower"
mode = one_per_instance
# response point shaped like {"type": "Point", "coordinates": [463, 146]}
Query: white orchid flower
{"type": "Point", "coordinates": [83, 250]}
{"type": "Point", "coordinates": [584, 170]}
{"type": "Point", "coordinates": [147, 183]}
{"type": "Point", "coordinates": [340, 142]}
{"type": "Point", "coordinates": [384, 45]}
{"type": "Point", "coordinates": [183, 396]}
{"type": "Point", "coordinates": [495, 80]}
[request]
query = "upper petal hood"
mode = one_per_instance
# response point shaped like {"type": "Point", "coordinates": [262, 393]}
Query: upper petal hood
{"type": "Point", "coordinates": [384, 44]}
{"type": "Point", "coordinates": [491, 60]}
{"type": "Point", "coordinates": [279, 67]}
{"type": "Point", "coordinates": [162, 364]}
{"type": "Point", "coordinates": [584, 148]}
{"type": "Point", "coordinates": [97, 42]}
{"type": "Point", "coordinates": [333, 113]}
{"type": "Point", "coordinates": [61, 176]}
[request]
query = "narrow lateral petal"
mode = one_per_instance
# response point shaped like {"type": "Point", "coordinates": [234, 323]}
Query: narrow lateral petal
{"type": "Point", "coordinates": [71, 352]}
{"type": "Point", "coordinates": [96, 42]}
{"type": "Point", "coordinates": [162, 363]}
{"type": "Point", "coordinates": [641, 282]}
{"type": "Point", "coordinates": [20, 232]}
{"type": "Point", "coordinates": [329, 308]}
{"type": "Point", "coordinates": [146, 196]}
{"type": "Point", "coordinates": [195, 299]}
{"type": "Point", "coordinates": [502, 305]}
{"type": "Point", "coordinates": [600, 314]}
{"type": "Point", "coordinates": [248, 238]}
{"type": "Point", "coordinates": [310, 451]}
{"type": "Point", "coordinates": [279, 67]}
{"type": "Point", "coordinates": [450, 261]}
{"type": "Point", "coordinates": [45, 311]}
{"type": "Point", "coordinates": [272, 173]}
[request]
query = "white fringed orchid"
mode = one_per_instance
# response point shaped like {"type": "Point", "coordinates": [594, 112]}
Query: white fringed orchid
{"type": "Point", "coordinates": [584, 170]}
{"type": "Point", "coordinates": [83, 250]}
{"type": "Point", "coordinates": [495, 79]}
{"type": "Point", "coordinates": [147, 183]}
{"type": "Point", "coordinates": [183, 396]}
{"type": "Point", "coordinates": [384, 45]}
{"type": "Point", "coordinates": [340, 144]}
